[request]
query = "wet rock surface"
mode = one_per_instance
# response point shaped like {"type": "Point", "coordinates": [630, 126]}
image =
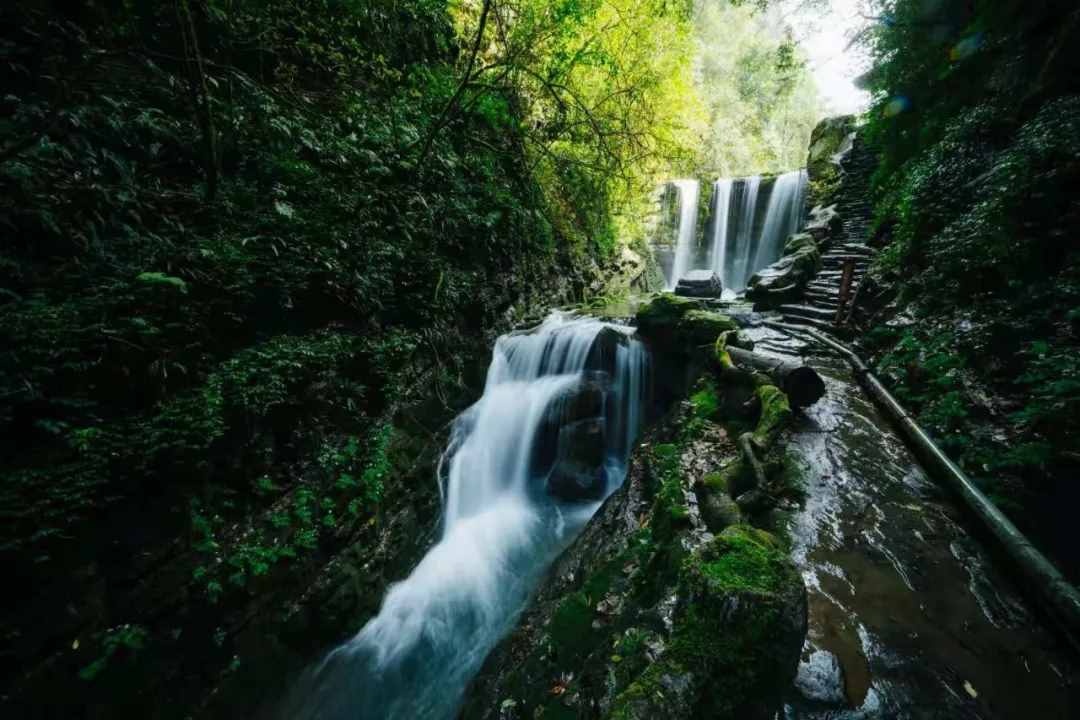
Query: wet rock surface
{"type": "Point", "coordinates": [922, 620]}
{"type": "Point", "coordinates": [649, 614]}
{"type": "Point", "coordinates": [700, 284]}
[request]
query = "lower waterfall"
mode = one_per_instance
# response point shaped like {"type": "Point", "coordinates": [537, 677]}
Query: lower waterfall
{"type": "Point", "coordinates": [561, 408]}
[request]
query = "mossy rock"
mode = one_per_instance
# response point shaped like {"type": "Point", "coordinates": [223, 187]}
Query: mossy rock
{"type": "Point", "coordinates": [800, 242]}
{"type": "Point", "coordinates": [663, 312]}
{"type": "Point", "coordinates": [702, 327]}
{"type": "Point", "coordinates": [738, 634]}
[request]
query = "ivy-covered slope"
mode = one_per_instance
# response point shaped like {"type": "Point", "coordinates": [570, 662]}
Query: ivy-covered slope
{"type": "Point", "coordinates": [243, 284]}
{"type": "Point", "coordinates": [977, 118]}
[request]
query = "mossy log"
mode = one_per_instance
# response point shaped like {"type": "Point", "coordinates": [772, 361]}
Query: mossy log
{"type": "Point", "coordinates": [800, 383]}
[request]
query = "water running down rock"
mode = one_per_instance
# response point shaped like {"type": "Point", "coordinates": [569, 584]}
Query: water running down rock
{"type": "Point", "coordinates": [500, 527]}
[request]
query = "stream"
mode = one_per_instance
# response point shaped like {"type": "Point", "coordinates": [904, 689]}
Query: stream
{"type": "Point", "coordinates": [910, 615]}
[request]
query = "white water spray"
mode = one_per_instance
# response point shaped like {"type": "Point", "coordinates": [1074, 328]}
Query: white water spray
{"type": "Point", "coordinates": [500, 528]}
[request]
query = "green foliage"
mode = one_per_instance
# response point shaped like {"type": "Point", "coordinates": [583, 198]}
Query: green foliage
{"type": "Point", "coordinates": [977, 121]}
{"type": "Point", "coordinates": [124, 639]}
{"type": "Point", "coordinates": [759, 100]}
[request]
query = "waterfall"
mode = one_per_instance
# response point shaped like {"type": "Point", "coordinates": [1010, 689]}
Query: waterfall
{"type": "Point", "coordinates": [782, 217]}
{"type": "Point", "coordinates": [737, 270]}
{"type": "Point", "coordinates": [684, 247]}
{"type": "Point", "coordinates": [738, 251]}
{"type": "Point", "coordinates": [500, 525]}
{"type": "Point", "coordinates": [721, 211]}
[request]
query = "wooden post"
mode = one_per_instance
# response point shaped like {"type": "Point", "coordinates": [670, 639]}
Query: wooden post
{"type": "Point", "coordinates": [845, 287]}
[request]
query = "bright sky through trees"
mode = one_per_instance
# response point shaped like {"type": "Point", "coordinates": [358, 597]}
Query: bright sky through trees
{"type": "Point", "coordinates": [824, 30]}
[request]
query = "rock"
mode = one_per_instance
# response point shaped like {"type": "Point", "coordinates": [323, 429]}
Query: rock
{"type": "Point", "coordinates": [585, 400]}
{"type": "Point", "coordinates": [820, 679]}
{"type": "Point", "coordinates": [702, 327]}
{"type": "Point", "coordinates": [785, 279]}
{"type": "Point", "coordinates": [578, 472]}
{"type": "Point", "coordinates": [699, 284]}
{"type": "Point", "coordinates": [604, 350]}
{"type": "Point", "coordinates": [823, 222]}
{"type": "Point", "coordinates": [663, 312]}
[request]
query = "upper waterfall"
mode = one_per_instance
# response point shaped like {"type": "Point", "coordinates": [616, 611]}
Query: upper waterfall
{"type": "Point", "coordinates": [750, 219]}
{"type": "Point", "coordinates": [687, 234]}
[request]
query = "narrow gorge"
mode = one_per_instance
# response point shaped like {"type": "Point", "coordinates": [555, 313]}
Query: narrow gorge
{"type": "Point", "coordinates": [540, 360]}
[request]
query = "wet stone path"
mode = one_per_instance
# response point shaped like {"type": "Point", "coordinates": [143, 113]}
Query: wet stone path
{"type": "Point", "coordinates": [911, 616]}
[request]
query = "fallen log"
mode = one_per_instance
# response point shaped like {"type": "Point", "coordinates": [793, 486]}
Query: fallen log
{"type": "Point", "coordinates": [800, 383]}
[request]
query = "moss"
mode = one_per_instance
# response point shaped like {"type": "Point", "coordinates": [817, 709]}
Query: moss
{"type": "Point", "coordinates": [669, 509]}
{"type": "Point", "coordinates": [715, 481]}
{"type": "Point", "coordinates": [163, 280]}
{"type": "Point", "coordinates": [775, 414]}
{"type": "Point", "coordinates": [743, 558]}
{"type": "Point", "coordinates": [705, 402]}
{"type": "Point", "coordinates": [571, 627]}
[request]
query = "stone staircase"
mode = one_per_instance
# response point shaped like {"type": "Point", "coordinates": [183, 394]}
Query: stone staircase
{"type": "Point", "coordinates": [821, 300]}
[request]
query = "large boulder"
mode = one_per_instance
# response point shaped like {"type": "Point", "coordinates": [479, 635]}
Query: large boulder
{"type": "Point", "coordinates": [699, 284]}
{"type": "Point", "coordinates": [786, 278]}
{"type": "Point", "coordinates": [579, 472]}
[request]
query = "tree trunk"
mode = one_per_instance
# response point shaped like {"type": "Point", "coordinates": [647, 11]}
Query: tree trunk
{"type": "Point", "coordinates": [800, 383]}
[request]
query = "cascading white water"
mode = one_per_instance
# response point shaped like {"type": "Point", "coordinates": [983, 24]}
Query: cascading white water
{"type": "Point", "coordinates": [684, 246]}
{"type": "Point", "coordinates": [721, 216]}
{"type": "Point", "coordinates": [500, 528]}
{"type": "Point", "coordinates": [782, 216]}
{"type": "Point", "coordinates": [737, 269]}
{"type": "Point", "coordinates": [737, 251]}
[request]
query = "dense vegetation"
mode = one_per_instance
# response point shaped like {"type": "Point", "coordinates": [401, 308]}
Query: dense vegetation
{"type": "Point", "coordinates": [243, 235]}
{"type": "Point", "coordinates": [977, 119]}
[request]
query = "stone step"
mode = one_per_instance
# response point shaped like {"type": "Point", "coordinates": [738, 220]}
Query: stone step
{"type": "Point", "coordinates": [823, 299]}
{"type": "Point", "coordinates": [814, 322]}
{"type": "Point", "coordinates": [808, 311]}
{"type": "Point", "coordinates": [833, 288]}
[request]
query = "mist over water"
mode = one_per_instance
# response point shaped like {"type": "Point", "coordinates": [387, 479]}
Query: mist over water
{"type": "Point", "coordinates": [500, 527]}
